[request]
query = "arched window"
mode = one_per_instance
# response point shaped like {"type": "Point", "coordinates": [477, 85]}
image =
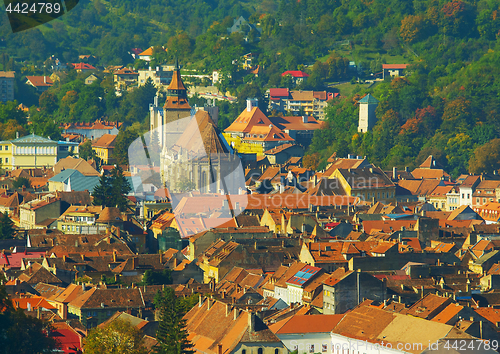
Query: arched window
{"type": "Point", "coordinates": [243, 351]}
{"type": "Point", "coordinates": [259, 351]}
{"type": "Point", "coordinates": [276, 351]}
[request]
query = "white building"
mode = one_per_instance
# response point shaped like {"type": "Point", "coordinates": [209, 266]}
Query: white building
{"type": "Point", "coordinates": [367, 118]}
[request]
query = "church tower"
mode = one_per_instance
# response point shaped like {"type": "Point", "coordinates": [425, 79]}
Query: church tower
{"type": "Point", "coordinates": [367, 118]}
{"type": "Point", "coordinates": [168, 122]}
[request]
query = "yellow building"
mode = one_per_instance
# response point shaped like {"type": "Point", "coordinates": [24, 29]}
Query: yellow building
{"type": "Point", "coordinates": [253, 133]}
{"type": "Point", "coordinates": [104, 147]}
{"type": "Point", "coordinates": [28, 151]}
{"type": "Point", "coordinates": [6, 154]}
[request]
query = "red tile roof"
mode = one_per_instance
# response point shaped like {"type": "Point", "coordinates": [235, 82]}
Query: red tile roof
{"type": "Point", "coordinates": [394, 66]}
{"type": "Point", "coordinates": [306, 324]}
{"type": "Point", "coordinates": [83, 66]}
{"type": "Point", "coordinates": [40, 81]}
{"type": "Point", "coordinates": [279, 92]}
{"type": "Point", "coordinates": [295, 73]}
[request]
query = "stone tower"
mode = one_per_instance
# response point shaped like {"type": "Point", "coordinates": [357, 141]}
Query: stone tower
{"type": "Point", "coordinates": [168, 122]}
{"type": "Point", "coordinates": [367, 118]}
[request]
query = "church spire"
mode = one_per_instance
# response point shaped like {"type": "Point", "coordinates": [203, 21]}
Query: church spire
{"type": "Point", "coordinates": [176, 91]}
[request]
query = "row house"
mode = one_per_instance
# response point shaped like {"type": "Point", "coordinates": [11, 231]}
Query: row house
{"type": "Point", "coordinates": [487, 191]}
{"type": "Point", "coordinates": [92, 130]}
{"type": "Point", "coordinates": [368, 184]}
{"type": "Point", "coordinates": [96, 305]}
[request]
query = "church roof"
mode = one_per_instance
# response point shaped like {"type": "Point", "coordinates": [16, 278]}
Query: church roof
{"type": "Point", "coordinates": [201, 136]}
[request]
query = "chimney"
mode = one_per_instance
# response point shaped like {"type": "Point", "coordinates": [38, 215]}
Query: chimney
{"type": "Point", "coordinates": [136, 262]}
{"type": "Point", "coordinates": [235, 314]}
{"type": "Point", "coordinates": [17, 135]}
{"type": "Point", "coordinates": [251, 103]}
{"type": "Point", "coordinates": [305, 119]}
{"type": "Point", "coordinates": [394, 173]}
{"type": "Point", "coordinates": [83, 287]}
{"type": "Point", "coordinates": [228, 308]}
{"type": "Point", "coordinates": [44, 79]}
{"type": "Point", "coordinates": [219, 347]}
{"type": "Point", "coordinates": [114, 256]}
{"type": "Point", "coordinates": [251, 322]}
{"type": "Point", "coordinates": [175, 262]}
{"type": "Point", "coordinates": [209, 304]}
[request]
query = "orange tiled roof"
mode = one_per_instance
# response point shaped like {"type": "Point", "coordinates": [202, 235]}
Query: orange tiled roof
{"type": "Point", "coordinates": [106, 141]}
{"type": "Point", "coordinates": [40, 81]}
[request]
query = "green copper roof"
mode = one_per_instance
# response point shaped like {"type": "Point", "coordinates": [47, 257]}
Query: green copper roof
{"type": "Point", "coordinates": [33, 139]}
{"type": "Point", "coordinates": [368, 99]}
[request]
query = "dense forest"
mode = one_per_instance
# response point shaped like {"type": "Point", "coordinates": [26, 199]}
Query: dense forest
{"type": "Point", "coordinates": [446, 105]}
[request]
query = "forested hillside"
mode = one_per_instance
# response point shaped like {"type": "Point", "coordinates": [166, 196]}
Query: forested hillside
{"type": "Point", "coordinates": [446, 106]}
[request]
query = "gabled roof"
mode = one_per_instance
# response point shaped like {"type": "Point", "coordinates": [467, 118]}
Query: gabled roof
{"type": "Point", "coordinates": [247, 120]}
{"type": "Point", "coordinates": [470, 181]}
{"type": "Point", "coordinates": [40, 81]}
{"type": "Point", "coordinates": [79, 164]}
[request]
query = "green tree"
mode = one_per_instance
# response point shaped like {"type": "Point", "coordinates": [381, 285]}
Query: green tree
{"type": "Point", "coordinates": [157, 278]}
{"type": "Point", "coordinates": [117, 337]}
{"type": "Point", "coordinates": [171, 334]}
{"type": "Point", "coordinates": [20, 182]}
{"type": "Point", "coordinates": [119, 188]}
{"type": "Point", "coordinates": [111, 191]}
{"type": "Point", "coordinates": [6, 226]}
{"type": "Point", "coordinates": [102, 192]}
{"type": "Point", "coordinates": [485, 158]}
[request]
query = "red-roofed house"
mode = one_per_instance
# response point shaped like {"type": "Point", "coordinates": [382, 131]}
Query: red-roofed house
{"type": "Point", "coordinates": [14, 260]}
{"type": "Point", "coordinates": [69, 340]}
{"type": "Point", "coordinates": [307, 333]}
{"type": "Point", "coordinates": [297, 75]}
{"type": "Point", "coordinates": [41, 83]}
{"type": "Point", "coordinates": [393, 69]}
{"type": "Point", "coordinates": [278, 98]}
